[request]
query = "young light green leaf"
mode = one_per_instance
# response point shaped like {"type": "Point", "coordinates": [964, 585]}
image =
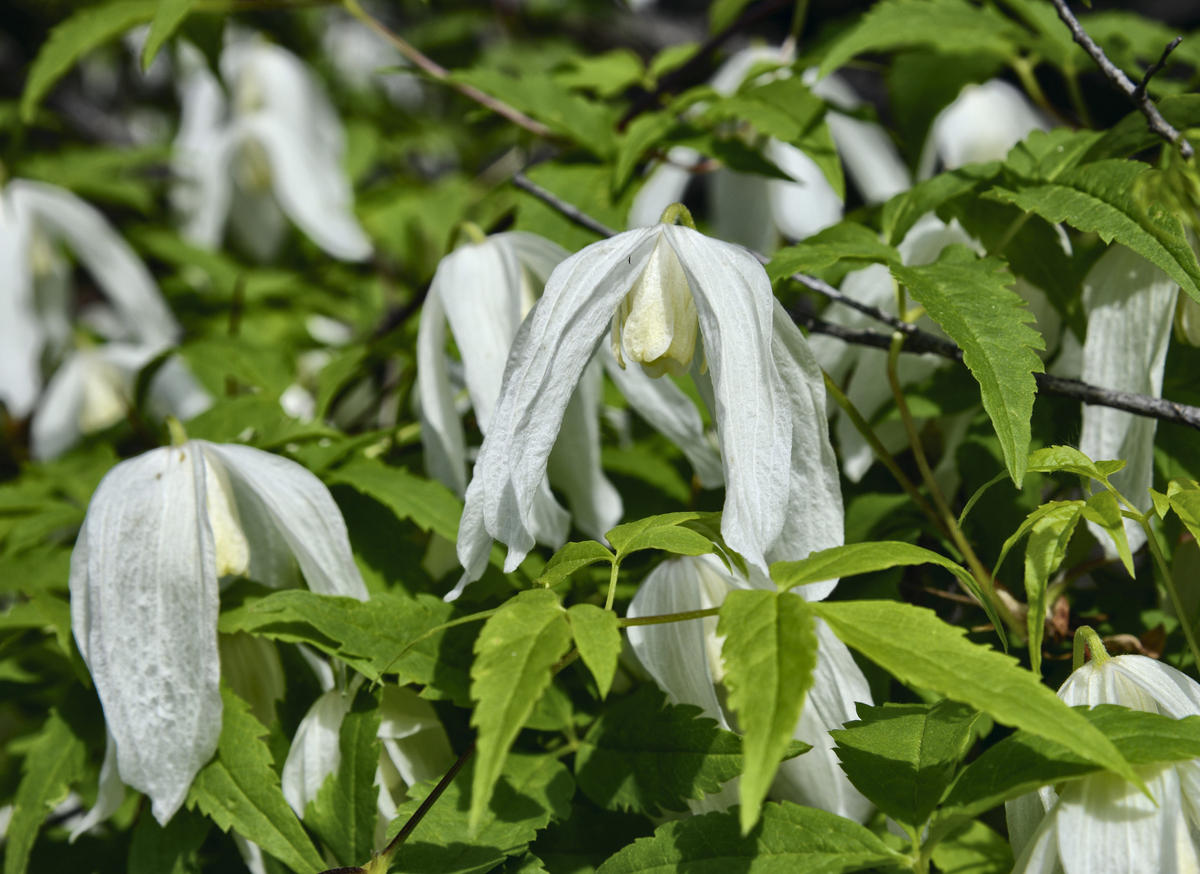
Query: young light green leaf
{"type": "Point", "coordinates": [1186, 504]}
{"type": "Point", "coordinates": [770, 652]}
{"type": "Point", "coordinates": [859, 558]}
{"type": "Point", "coordinates": [530, 792]}
{"type": "Point", "coordinates": [1104, 509]}
{"type": "Point", "coordinates": [1023, 761]}
{"type": "Point", "coordinates": [53, 762]}
{"type": "Point", "coordinates": [903, 756]}
{"type": "Point", "coordinates": [723, 13]}
{"type": "Point", "coordinates": [1068, 459]}
{"type": "Point", "coordinates": [572, 557]}
{"type": "Point", "coordinates": [973, 849]}
{"type": "Point", "coordinates": [903, 211]}
{"type": "Point", "coordinates": [239, 789]}
{"type": "Point", "coordinates": [344, 812]}
{"type": "Point", "coordinates": [666, 532]}
{"type": "Point", "coordinates": [916, 647]}
{"type": "Point", "coordinates": [847, 241]}
{"type": "Point", "coordinates": [429, 504]}
{"type": "Point", "coordinates": [87, 29]}
{"type": "Point", "coordinates": [515, 654]}
{"type": "Point", "coordinates": [791, 838]}
{"type": "Point", "coordinates": [1044, 552]}
{"type": "Point", "coordinates": [1027, 524]}
{"type": "Point", "coordinates": [1098, 197]}
{"type": "Point", "coordinates": [642, 134]}
{"type": "Point", "coordinates": [597, 635]}
{"type": "Point", "coordinates": [942, 25]}
{"type": "Point", "coordinates": [971, 301]}
{"type": "Point", "coordinates": [167, 18]}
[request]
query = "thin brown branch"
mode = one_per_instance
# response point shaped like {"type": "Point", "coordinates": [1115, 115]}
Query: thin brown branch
{"type": "Point", "coordinates": [1115, 75]}
{"type": "Point", "coordinates": [436, 71]}
{"type": "Point", "coordinates": [916, 340]}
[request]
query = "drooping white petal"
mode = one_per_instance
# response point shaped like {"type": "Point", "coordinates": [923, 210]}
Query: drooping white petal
{"type": "Point", "coordinates": [744, 208]}
{"type": "Point", "coordinates": [666, 185]}
{"type": "Point", "coordinates": [754, 423]}
{"type": "Point", "coordinates": [809, 204]}
{"type": "Point", "coordinates": [413, 736]}
{"type": "Point", "coordinates": [315, 753]}
{"type": "Point", "coordinates": [545, 364]}
{"type": "Point", "coordinates": [144, 612]}
{"type": "Point", "coordinates": [1040, 849]}
{"type": "Point", "coordinates": [55, 426]}
{"type": "Point", "coordinates": [535, 253]}
{"type": "Point", "coordinates": [174, 391]}
{"type": "Point", "coordinates": [118, 271]}
{"type": "Point", "coordinates": [1022, 817]}
{"type": "Point", "coordinates": [1133, 681]}
{"type": "Point", "coordinates": [21, 334]}
{"type": "Point", "coordinates": [670, 412]}
{"type": "Point", "coordinates": [679, 654]}
{"type": "Point", "coordinates": [300, 509]}
{"type": "Point", "coordinates": [441, 429]}
{"type": "Point", "coordinates": [815, 778]}
{"type": "Point", "coordinates": [202, 151]}
{"type": "Point", "coordinates": [982, 124]}
{"type": "Point", "coordinates": [1130, 305]}
{"type": "Point", "coordinates": [109, 794]}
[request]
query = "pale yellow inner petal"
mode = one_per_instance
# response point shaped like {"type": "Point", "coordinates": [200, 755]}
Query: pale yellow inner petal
{"type": "Point", "coordinates": [233, 550]}
{"type": "Point", "coordinates": [656, 324]}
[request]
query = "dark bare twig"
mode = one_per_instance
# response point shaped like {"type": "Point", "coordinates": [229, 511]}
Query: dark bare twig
{"type": "Point", "coordinates": [916, 340]}
{"type": "Point", "coordinates": [1115, 75]}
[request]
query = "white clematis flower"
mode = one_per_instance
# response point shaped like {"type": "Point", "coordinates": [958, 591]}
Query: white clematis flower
{"type": "Point", "coordinates": [161, 531]}
{"type": "Point", "coordinates": [981, 124]}
{"type": "Point", "coordinates": [37, 219]}
{"type": "Point", "coordinates": [649, 287]}
{"type": "Point", "coordinates": [685, 660]}
{"type": "Point", "coordinates": [754, 210]}
{"type": "Point", "coordinates": [1102, 823]}
{"type": "Point", "coordinates": [1130, 305]}
{"type": "Point", "coordinates": [414, 748]}
{"type": "Point", "coordinates": [273, 148]}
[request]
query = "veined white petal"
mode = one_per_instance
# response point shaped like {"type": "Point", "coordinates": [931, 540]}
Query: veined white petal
{"type": "Point", "coordinates": [144, 612]}
{"type": "Point", "coordinates": [670, 412]}
{"type": "Point", "coordinates": [545, 364]}
{"type": "Point", "coordinates": [679, 654]}
{"type": "Point", "coordinates": [109, 794]}
{"type": "Point", "coordinates": [441, 429]}
{"type": "Point", "coordinates": [1040, 853]}
{"type": "Point", "coordinates": [299, 507]}
{"type": "Point", "coordinates": [113, 264]}
{"type": "Point", "coordinates": [574, 464]}
{"type": "Point", "coordinates": [745, 208]}
{"type": "Point", "coordinates": [1023, 816]}
{"type": "Point", "coordinates": [413, 737]}
{"type": "Point", "coordinates": [311, 188]}
{"type": "Point", "coordinates": [535, 253]}
{"type": "Point", "coordinates": [315, 753]}
{"type": "Point", "coordinates": [982, 124]}
{"type": "Point", "coordinates": [1130, 305]}
{"type": "Point", "coordinates": [814, 518]}
{"type": "Point", "coordinates": [666, 185]}
{"type": "Point", "coordinates": [754, 423]}
{"type": "Point", "coordinates": [21, 334]}
{"type": "Point", "coordinates": [870, 157]}
{"type": "Point", "coordinates": [1133, 681]}
{"type": "Point", "coordinates": [815, 778]}
{"type": "Point", "coordinates": [809, 204]}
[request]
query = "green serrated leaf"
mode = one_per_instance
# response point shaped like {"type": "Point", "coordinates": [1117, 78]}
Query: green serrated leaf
{"type": "Point", "coordinates": [530, 792]}
{"type": "Point", "coordinates": [1104, 509]}
{"type": "Point", "coordinates": [240, 790]}
{"type": "Point", "coordinates": [847, 241]}
{"type": "Point", "coordinates": [1024, 761]}
{"type": "Point", "coordinates": [87, 29]}
{"type": "Point", "coordinates": [572, 557]}
{"type": "Point", "coordinates": [972, 302]}
{"type": "Point", "coordinates": [344, 812]}
{"type": "Point", "coordinates": [942, 25]}
{"type": "Point", "coordinates": [1099, 197]}
{"type": "Point", "coordinates": [167, 18]}
{"type": "Point", "coordinates": [790, 838]}
{"type": "Point", "coordinates": [906, 208]}
{"type": "Point", "coordinates": [859, 558]}
{"type": "Point", "coordinates": [666, 532]}
{"type": "Point", "coordinates": [515, 654]}
{"type": "Point", "coordinates": [169, 849]}
{"type": "Point", "coordinates": [918, 648]}
{"type": "Point", "coordinates": [54, 761]}
{"type": "Point", "coordinates": [770, 652]}
{"type": "Point", "coordinates": [1045, 550]}
{"type": "Point", "coordinates": [429, 504]}
{"type": "Point", "coordinates": [903, 756]}
{"type": "Point", "coordinates": [973, 849]}
{"type": "Point", "coordinates": [597, 635]}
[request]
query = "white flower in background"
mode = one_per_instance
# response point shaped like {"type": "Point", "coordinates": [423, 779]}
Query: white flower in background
{"type": "Point", "coordinates": [1130, 305]}
{"type": "Point", "coordinates": [672, 299]}
{"type": "Point", "coordinates": [415, 748]}
{"type": "Point", "coordinates": [685, 660]}
{"type": "Point", "coordinates": [753, 210]}
{"type": "Point", "coordinates": [482, 291]}
{"type": "Point", "coordinates": [981, 124]}
{"type": "Point", "coordinates": [364, 59]}
{"type": "Point", "coordinates": [37, 222]}
{"type": "Point", "coordinates": [161, 532]}
{"type": "Point", "coordinates": [271, 149]}
{"type": "Point", "coordinates": [1102, 823]}
{"type": "Point", "coordinates": [94, 387]}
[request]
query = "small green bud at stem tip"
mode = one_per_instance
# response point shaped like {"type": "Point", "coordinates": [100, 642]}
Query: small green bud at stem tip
{"type": "Point", "coordinates": [1088, 642]}
{"type": "Point", "coordinates": [175, 429]}
{"type": "Point", "coordinates": [678, 214]}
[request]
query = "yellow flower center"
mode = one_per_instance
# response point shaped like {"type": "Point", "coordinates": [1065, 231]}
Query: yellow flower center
{"type": "Point", "coordinates": [656, 324]}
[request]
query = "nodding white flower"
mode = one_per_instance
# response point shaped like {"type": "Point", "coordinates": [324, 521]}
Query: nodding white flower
{"type": "Point", "coordinates": [37, 222]}
{"type": "Point", "coordinates": [272, 148]}
{"type": "Point", "coordinates": [93, 389]}
{"type": "Point", "coordinates": [161, 532]}
{"type": "Point", "coordinates": [414, 748]}
{"type": "Point", "coordinates": [647, 289]}
{"type": "Point", "coordinates": [981, 124]}
{"type": "Point", "coordinates": [754, 210]}
{"type": "Point", "coordinates": [1130, 305]}
{"type": "Point", "coordinates": [1102, 823]}
{"type": "Point", "coordinates": [685, 660]}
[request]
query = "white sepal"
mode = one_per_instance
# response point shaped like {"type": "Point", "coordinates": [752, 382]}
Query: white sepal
{"type": "Point", "coordinates": [315, 752]}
